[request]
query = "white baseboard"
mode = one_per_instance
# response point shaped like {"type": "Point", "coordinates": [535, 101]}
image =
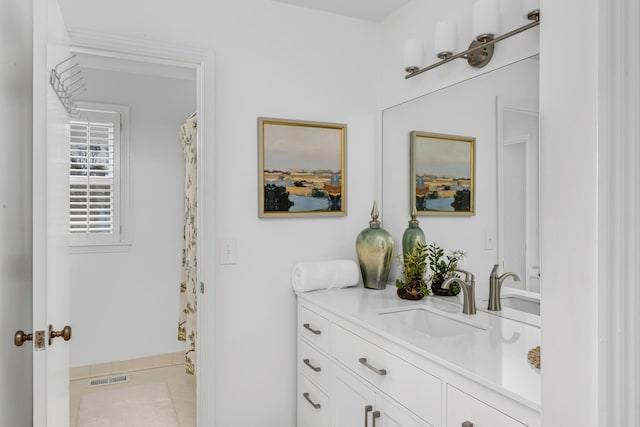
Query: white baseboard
{"type": "Point", "coordinates": [124, 366]}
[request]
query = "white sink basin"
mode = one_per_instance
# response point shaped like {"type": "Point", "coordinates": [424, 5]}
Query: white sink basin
{"type": "Point", "coordinates": [429, 322]}
{"type": "Point", "coordinates": [521, 303]}
{"type": "Point", "coordinates": [516, 307]}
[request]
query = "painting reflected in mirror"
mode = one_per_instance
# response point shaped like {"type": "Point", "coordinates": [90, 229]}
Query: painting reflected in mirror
{"type": "Point", "coordinates": [442, 173]}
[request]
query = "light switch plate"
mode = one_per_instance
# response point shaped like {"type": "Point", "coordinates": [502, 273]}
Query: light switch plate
{"type": "Point", "coordinates": [228, 249]}
{"type": "Point", "coordinates": [489, 240]}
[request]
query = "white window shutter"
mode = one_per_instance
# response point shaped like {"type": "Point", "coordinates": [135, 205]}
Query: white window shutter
{"type": "Point", "coordinates": [94, 175]}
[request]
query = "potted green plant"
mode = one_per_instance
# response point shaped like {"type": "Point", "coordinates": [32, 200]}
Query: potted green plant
{"type": "Point", "coordinates": [443, 268]}
{"type": "Point", "coordinates": [414, 266]}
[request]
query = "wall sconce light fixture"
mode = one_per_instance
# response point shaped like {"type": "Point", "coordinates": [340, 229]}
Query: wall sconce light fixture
{"type": "Point", "coordinates": [486, 25]}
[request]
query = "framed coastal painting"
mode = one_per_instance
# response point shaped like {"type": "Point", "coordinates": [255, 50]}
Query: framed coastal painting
{"type": "Point", "coordinates": [301, 168]}
{"type": "Point", "coordinates": [442, 174]}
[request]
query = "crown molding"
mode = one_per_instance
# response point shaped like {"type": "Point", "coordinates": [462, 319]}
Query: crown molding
{"type": "Point", "coordinates": [139, 49]}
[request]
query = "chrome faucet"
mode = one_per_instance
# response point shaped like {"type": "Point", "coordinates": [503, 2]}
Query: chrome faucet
{"type": "Point", "coordinates": [495, 284]}
{"type": "Point", "coordinates": [468, 286]}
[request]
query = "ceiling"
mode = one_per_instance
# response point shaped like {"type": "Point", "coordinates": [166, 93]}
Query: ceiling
{"type": "Point", "coordinates": [370, 10]}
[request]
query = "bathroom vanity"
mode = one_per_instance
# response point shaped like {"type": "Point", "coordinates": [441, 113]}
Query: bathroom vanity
{"type": "Point", "coordinates": [368, 358]}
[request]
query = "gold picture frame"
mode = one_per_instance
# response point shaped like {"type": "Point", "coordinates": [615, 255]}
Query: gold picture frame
{"type": "Point", "coordinates": [301, 168]}
{"type": "Point", "coordinates": [442, 174]}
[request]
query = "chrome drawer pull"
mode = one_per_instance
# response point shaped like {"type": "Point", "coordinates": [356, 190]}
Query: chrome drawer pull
{"type": "Point", "coordinates": [375, 415]}
{"type": "Point", "coordinates": [306, 326]}
{"type": "Point", "coordinates": [367, 409]}
{"type": "Point", "coordinates": [315, 368]}
{"type": "Point", "coordinates": [315, 405]}
{"type": "Point", "coordinates": [363, 360]}
{"type": "Point", "coordinates": [467, 424]}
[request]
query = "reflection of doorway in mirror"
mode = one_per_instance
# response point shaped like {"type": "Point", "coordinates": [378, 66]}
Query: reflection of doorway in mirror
{"type": "Point", "coordinates": [518, 195]}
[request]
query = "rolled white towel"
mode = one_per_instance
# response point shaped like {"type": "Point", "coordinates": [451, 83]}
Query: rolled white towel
{"type": "Point", "coordinates": [309, 276]}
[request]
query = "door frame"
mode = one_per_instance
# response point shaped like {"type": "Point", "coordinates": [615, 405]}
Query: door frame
{"type": "Point", "coordinates": [50, 261]}
{"type": "Point", "coordinates": [203, 61]}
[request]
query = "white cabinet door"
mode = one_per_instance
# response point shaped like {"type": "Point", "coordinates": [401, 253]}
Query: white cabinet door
{"type": "Point", "coordinates": [356, 404]}
{"type": "Point", "coordinates": [351, 400]}
{"type": "Point", "coordinates": [50, 219]}
{"type": "Point", "coordinates": [462, 407]}
{"type": "Point", "coordinates": [395, 415]}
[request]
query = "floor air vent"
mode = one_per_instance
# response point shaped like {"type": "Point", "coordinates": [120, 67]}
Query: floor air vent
{"type": "Point", "coordinates": [110, 380]}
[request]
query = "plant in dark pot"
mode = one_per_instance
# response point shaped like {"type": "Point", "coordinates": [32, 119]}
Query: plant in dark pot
{"type": "Point", "coordinates": [443, 267]}
{"type": "Point", "coordinates": [414, 266]}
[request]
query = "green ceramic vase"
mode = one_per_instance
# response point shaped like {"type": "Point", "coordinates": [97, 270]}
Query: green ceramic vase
{"type": "Point", "coordinates": [412, 235]}
{"type": "Point", "coordinates": [374, 247]}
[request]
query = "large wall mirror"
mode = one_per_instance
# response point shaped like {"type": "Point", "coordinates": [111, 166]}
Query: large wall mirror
{"type": "Point", "coordinates": [499, 110]}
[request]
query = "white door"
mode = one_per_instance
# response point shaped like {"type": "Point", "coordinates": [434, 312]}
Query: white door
{"type": "Point", "coordinates": [15, 212]}
{"type": "Point", "coordinates": [50, 223]}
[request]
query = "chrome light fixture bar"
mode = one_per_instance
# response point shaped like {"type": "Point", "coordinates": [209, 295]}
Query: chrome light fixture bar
{"type": "Point", "coordinates": [480, 51]}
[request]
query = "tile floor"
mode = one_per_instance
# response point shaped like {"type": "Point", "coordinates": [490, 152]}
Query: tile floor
{"type": "Point", "coordinates": [182, 387]}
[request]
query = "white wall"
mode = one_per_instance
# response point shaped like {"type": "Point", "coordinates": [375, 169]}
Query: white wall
{"type": "Point", "coordinates": [272, 60]}
{"type": "Point", "coordinates": [569, 212]}
{"type": "Point", "coordinates": [15, 210]}
{"type": "Point", "coordinates": [124, 305]}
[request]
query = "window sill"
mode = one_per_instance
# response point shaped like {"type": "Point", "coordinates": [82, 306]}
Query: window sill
{"type": "Point", "coordinates": [99, 248]}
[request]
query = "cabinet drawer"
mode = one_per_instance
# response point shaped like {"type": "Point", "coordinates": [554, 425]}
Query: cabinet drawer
{"type": "Point", "coordinates": [462, 407]}
{"type": "Point", "coordinates": [314, 365]}
{"type": "Point", "coordinates": [313, 405]}
{"type": "Point", "coordinates": [314, 328]}
{"type": "Point", "coordinates": [419, 391]}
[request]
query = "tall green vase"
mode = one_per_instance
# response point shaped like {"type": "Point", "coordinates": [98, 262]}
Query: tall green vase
{"type": "Point", "coordinates": [412, 235]}
{"type": "Point", "coordinates": [374, 247]}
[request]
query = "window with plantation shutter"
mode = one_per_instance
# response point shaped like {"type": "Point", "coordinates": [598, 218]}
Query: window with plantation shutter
{"type": "Point", "coordinates": [95, 172]}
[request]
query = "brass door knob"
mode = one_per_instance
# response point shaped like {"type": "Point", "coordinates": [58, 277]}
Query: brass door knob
{"type": "Point", "coordinates": [20, 338]}
{"type": "Point", "coordinates": [65, 333]}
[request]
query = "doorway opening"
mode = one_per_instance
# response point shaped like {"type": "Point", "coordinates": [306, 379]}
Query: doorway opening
{"type": "Point", "coordinates": [124, 296]}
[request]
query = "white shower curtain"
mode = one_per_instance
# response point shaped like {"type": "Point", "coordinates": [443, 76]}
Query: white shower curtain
{"type": "Point", "coordinates": [187, 330]}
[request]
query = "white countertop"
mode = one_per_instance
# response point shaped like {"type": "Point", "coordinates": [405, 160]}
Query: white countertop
{"type": "Point", "coordinates": [494, 354]}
